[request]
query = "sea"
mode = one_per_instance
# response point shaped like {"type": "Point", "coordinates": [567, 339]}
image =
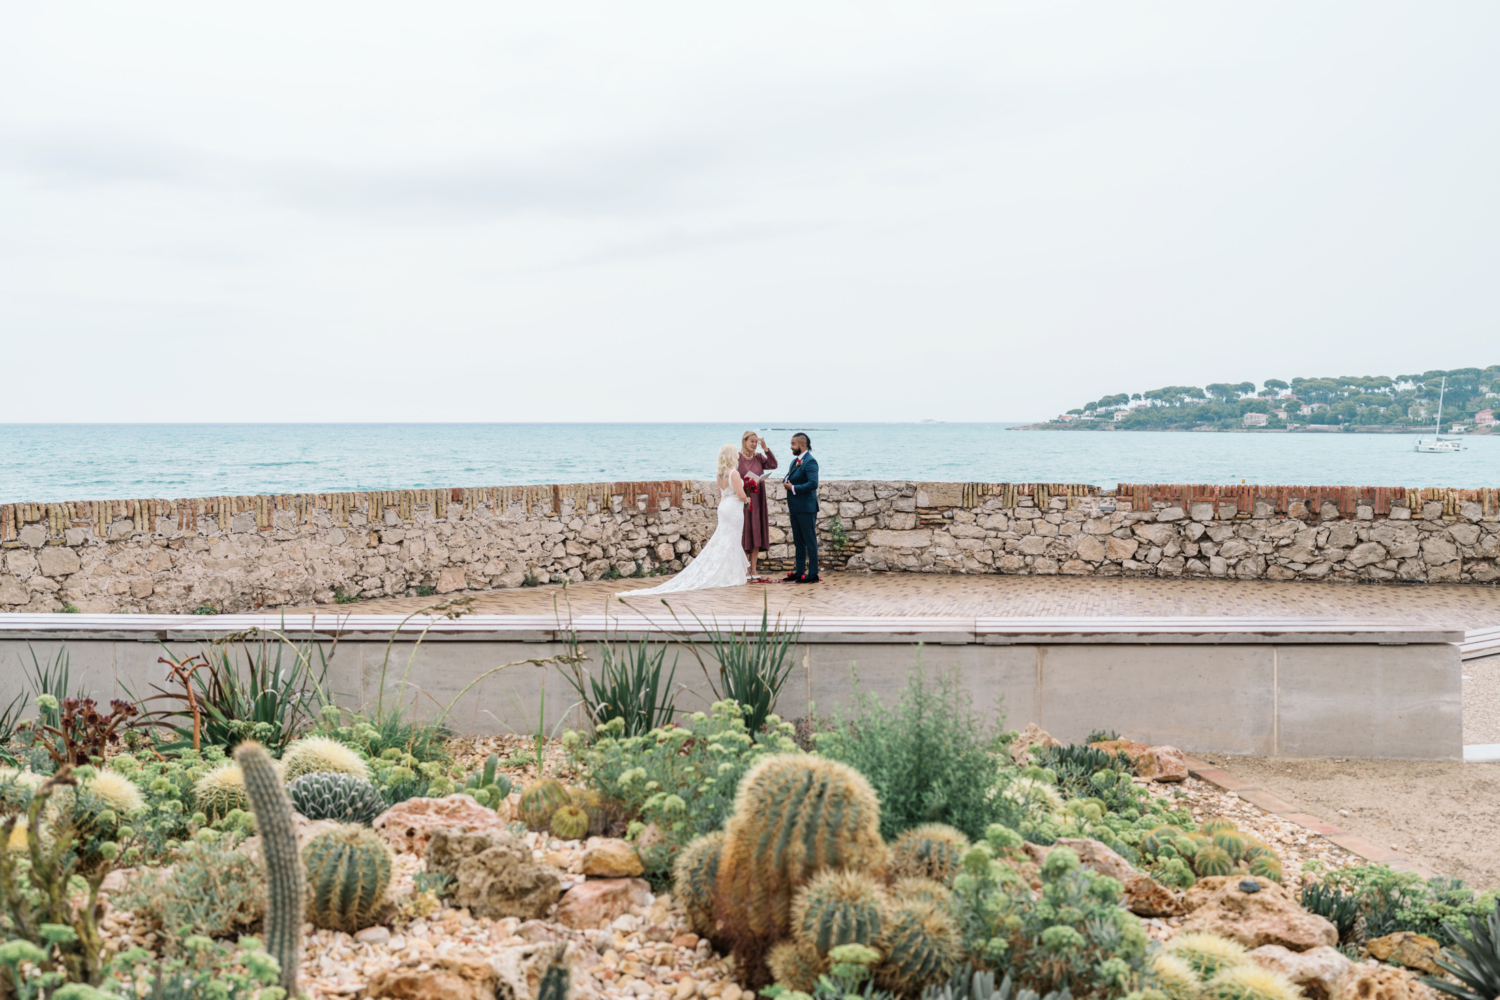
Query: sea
{"type": "Point", "coordinates": [53, 462]}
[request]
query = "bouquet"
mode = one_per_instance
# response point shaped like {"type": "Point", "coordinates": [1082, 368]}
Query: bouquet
{"type": "Point", "coordinates": [752, 486]}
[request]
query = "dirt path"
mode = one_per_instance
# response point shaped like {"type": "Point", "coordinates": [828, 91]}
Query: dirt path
{"type": "Point", "coordinates": [1442, 814]}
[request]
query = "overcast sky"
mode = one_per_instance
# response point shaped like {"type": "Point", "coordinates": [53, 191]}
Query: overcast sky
{"type": "Point", "coordinates": [768, 211]}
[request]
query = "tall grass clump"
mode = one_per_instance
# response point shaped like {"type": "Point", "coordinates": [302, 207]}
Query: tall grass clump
{"type": "Point", "coordinates": [931, 758]}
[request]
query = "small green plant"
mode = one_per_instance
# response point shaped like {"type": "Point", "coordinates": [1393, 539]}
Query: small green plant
{"type": "Point", "coordinates": [531, 580]}
{"type": "Point", "coordinates": [211, 890]}
{"type": "Point", "coordinates": [969, 983]}
{"type": "Point", "coordinates": [1333, 904]}
{"type": "Point", "coordinates": [838, 907]}
{"type": "Point", "coordinates": [931, 851]}
{"type": "Point", "coordinates": [1101, 736]}
{"type": "Point", "coordinates": [752, 667]}
{"type": "Point", "coordinates": [837, 535]}
{"type": "Point", "coordinates": [342, 596]}
{"type": "Point", "coordinates": [639, 573]}
{"type": "Point", "coordinates": [539, 801]}
{"type": "Point", "coordinates": [612, 573]}
{"type": "Point", "coordinates": [205, 609]}
{"type": "Point", "coordinates": [487, 786]}
{"type": "Point", "coordinates": [1392, 901]}
{"type": "Point", "coordinates": [569, 823]}
{"type": "Point", "coordinates": [425, 591]}
{"type": "Point", "coordinates": [1472, 959]}
{"type": "Point", "coordinates": [438, 884]}
{"type": "Point", "coordinates": [69, 608]}
{"type": "Point", "coordinates": [322, 755]}
{"type": "Point", "coordinates": [203, 970]}
{"type": "Point", "coordinates": [628, 685]}
{"type": "Point", "coordinates": [341, 797]}
{"type": "Point", "coordinates": [348, 873]}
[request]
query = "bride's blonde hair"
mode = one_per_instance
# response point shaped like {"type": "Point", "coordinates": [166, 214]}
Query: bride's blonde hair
{"type": "Point", "coordinates": [729, 458]}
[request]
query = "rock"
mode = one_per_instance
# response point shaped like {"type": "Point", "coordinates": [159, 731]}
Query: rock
{"type": "Point", "coordinates": [1271, 916]}
{"type": "Point", "coordinates": [605, 857]}
{"type": "Point", "coordinates": [373, 935]}
{"type": "Point", "coordinates": [601, 901]}
{"type": "Point", "coordinates": [407, 826]}
{"type": "Point", "coordinates": [55, 560]}
{"type": "Point", "coordinates": [1143, 894]}
{"type": "Point", "coordinates": [1114, 748]}
{"type": "Point", "coordinates": [1162, 763]}
{"type": "Point", "coordinates": [1368, 981]}
{"type": "Point", "coordinates": [493, 873]}
{"type": "Point", "coordinates": [449, 979]}
{"type": "Point", "coordinates": [1415, 951]}
{"type": "Point", "coordinates": [1032, 736]}
{"type": "Point", "coordinates": [688, 940]}
{"type": "Point", "coordinates": [12, 591]}
{"type": "Point", "coordinates": [1316, 970]}
{"type": "Point", "coordinates": [518, 969]}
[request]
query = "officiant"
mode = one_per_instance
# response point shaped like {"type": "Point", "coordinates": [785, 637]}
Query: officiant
{"type": "Point", "coordinates": [757, 535]}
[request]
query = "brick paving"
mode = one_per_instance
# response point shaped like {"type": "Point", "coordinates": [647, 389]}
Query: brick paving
{"type": "Point", "coordinates": [1466, 606]}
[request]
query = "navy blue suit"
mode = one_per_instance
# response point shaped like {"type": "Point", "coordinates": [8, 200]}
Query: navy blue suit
{"type": "Point", "coordinates": [802, 505]}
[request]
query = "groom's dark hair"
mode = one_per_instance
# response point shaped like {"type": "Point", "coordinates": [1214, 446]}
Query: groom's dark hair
{"type": "Point", "coordinates": [806, 441]}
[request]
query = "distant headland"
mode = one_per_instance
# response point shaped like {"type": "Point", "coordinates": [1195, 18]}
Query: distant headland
{"type": "Point", "coordinates": [1368, 403]}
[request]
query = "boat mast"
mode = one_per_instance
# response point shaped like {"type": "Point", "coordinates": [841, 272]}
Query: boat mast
{"type": "Point", "coordinates": [1441, 392]}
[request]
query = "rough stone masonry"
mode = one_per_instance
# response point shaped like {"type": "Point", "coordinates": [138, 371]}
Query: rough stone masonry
{"type": "Point", "coordinates": [243, 553]}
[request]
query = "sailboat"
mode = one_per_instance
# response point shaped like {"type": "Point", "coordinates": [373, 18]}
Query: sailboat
{"type": "Point", "coordinates": [1439, 445]}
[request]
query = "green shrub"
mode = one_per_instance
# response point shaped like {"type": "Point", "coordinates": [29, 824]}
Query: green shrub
{"type": "Point", "coordinates": [930, 759]}
{"type": "Point", "coordinates": [682, 778]}
{"type": "Point", "coordinates": [628, 685]}
{"type": "Point", "coordinates": [1394, 901]}
{"type": "Point", "coordinates": [1473, 959]}
{"type": "Point", "coordinates": [211, 890]}
{"type": "Point", "coordinates": [204, 970]}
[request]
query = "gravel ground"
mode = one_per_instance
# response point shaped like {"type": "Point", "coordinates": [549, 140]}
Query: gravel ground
{"type": "Point", "coordinates": [1482, 701]}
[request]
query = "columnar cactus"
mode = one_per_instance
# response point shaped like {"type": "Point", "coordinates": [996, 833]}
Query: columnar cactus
{"type": "Point", "coordinates": [539, 802]}
{"type": "Point", "coordinates": [341, 797]}
{"type": "Point", "coordinates": [319, 754]}
{"type": "Point", "coordinates": [838, 907]}
{"type": "Point", "coordinates": [930, 851]}
{"type": "Point", "coordinates": [285, 888]}
{"type": "Point", "coordinates": [922, 947]}
{"type": "Point", "coordinates": [348, 870]}
{"type": "Point", "coordinates": [796, 966]}
{"type": "Point", "coordinates": [794, 815]}
{"type": "Point", "coordinates": [694, 875]}
{"type": "Point", "coordinates": [569, 823]}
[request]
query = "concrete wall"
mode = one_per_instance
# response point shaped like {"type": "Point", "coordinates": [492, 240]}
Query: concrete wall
{"type": "Point", "coordinates": [232, 554]}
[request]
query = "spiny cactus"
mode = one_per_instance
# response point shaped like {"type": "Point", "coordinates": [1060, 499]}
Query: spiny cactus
{"type": "Point", "coordinates": [335, 796]}
{"type": "Point", "coordinates": [920, 890]}
{"type": "Point", "coordinates": [320, 754]}
{"type": "Point", "coordinates": [539, 802]}
{"type": "Point", "coordinates": [1161, 837]}
{"type": "Point", "coordinates": [221, 790]}
{"type": "Point", "coordinates": [922, 946]}
{"type": "Point", "coordinates": [486, 786]}
{"type": "Point", "coordinates": [285, 888]}
{"type": "Point", "coordinates": [594, 806]}
{"type": "Point", "coordinates": [348, 872]}
{"type": "Point", "coordinates": [1207, 954]}
{"type": "Point", "coordinates": [1231, 842]}
{"type": "Point", "coordinates": [118, 791]}
{"type": "Point", "coordinates": [1214, 824]}
{"type": "Point", "coordinates": [1175, 977]}
{"type": "Point", "coordinates": [1255, 848]}
{"type": "Point", "coordinates": [1212, 860]}
{"type": "Point", "coordinates": [694, 875]}
{"type": "Point", "coordinates": [837, 908]}
{"type": "Point", "coordinates": [794, 815]}
{"type": "Point", "coordinates": [569, 823]}
{"type": "Point", "coordinates": [969, 983]}
{"type": "Point", "coordinates": [1266, 866]}
{"type": "Point", "coordinates": [1187, 847]}
{"type": "Point", "coordinates": [554, 982]}
{"type": "Point", "coordinates": [1250, 982]}
{"type": "Point", "coordinates": [930, 851]}
{"type": "Point", "coordinates": [796, 966]}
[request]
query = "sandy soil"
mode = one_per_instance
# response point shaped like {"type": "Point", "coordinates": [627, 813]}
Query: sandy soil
{"type": "Point", "coordinates": [1482, 700]}
{"type": "Point", "coordinates": [1442, 814]}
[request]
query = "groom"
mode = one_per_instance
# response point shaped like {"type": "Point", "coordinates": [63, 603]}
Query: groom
{"type": "Point", "coordinates": [802, 504]}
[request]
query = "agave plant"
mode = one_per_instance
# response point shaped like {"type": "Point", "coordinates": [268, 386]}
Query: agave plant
{"type": "Point", "coordinates": [1474, 959]}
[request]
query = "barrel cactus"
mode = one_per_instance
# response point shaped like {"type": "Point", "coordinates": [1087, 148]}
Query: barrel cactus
{"type": "Point", "coordinates": [837, 908]}
{"type": "Point", "coordinates": [569, 823]}
{"type": "Point", "coordinates": [930, 851]}
{"type": "Point", "coordinates": [1214, 824]}
{"type": "Point", "coordinates": [796, 966]}
{"type": "Point", "coordinates": [221, 790]}
{"type": "Point", "coordinates": [922, 945]}
{"type": "Point", "coordinates": [118, 792]}
{"type": "Point", "coordinates": [694, 874]}
{"type": "Point", "coordinates": [1157, 840]}
{"type": "Point", "coordinates": [319, 754]}
{"type": "Point", "coordinates": [286, 892]}
{"type": "Point", "coordinates": [794, 815]}
{"type": "Point", "coordinates": [335, 796]}
{"type": "Point", "coordinates": [1267, 866]}
{"type": "Point", "coordinates": [1250, 982]}
{"type": "Point", "coordinates": [920, 890]}
{"type": "Point", "coordinates": [539, 802]}
{"type": "Point", "coordinates": [1207, 954]}
{"type": "Point", "coordinates": [1231, 842]}
{"type": "Point", "coordinates": [595, 806]}
{"type": "Point", "coordinates": [1212, 860]}
{"type": "Point", "coordinates": [1175, 977]}
{"type": "Point", "coordinates": [348, 872]}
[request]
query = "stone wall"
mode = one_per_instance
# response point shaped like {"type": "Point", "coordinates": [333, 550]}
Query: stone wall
{"type": "Point", "coordinates": [244, 553]}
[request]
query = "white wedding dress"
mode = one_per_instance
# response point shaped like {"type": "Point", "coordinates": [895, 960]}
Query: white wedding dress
{"type": "Point", "coordinates": [722, 563]}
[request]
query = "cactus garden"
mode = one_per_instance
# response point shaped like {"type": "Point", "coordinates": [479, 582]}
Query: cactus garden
{"type": "Point", "coordinates": [916, 851]}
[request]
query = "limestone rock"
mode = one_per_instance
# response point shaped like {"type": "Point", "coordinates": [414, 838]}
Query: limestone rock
{"type": "Point", "coordinates": [597, 902]}
{"type": "Point", "coordinates": [518, 970]}
{"type": "Point", "coordinates": [493, 874]}
{"type": "Point", "coordinates": [1114, 748]}
{"type": "Point", "coordinates": [407, 826]}
{"type": "Point", "coordinates": [56, 560]}
{"type": "Point", "coordinates": [606, 857]}
{"type": "Point", "coordinates": [12, 591]}
{"type": "Point", "coordinates": [1415, 951]}
{"type": "Point", "coordinates": [1032, 736]}
{"type": "Point", "coordinates": [449, 979]}
{"type": "Point", "coordinates": [1270, 916]}
{"type": "Point", "coordinates": [1162, 763]}
{"type": "Point", "coordinates": [1368, 981]}
{"type": "Point", "coordinates": [1316, 970]}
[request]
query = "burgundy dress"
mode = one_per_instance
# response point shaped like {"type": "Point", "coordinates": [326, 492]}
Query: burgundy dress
{"type": "Point", "coordinates": [757, 534]}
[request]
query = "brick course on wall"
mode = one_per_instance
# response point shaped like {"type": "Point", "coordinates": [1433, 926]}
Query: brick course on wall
{"type": "Point", "coordinates": [243, 553]}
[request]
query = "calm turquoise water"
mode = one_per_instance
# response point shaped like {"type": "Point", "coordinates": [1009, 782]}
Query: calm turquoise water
{"type": "Point", "coordinates": [45, 462]}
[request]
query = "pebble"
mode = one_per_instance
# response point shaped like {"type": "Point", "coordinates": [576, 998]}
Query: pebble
{"type": "Point", "coordinates": [374, 935]}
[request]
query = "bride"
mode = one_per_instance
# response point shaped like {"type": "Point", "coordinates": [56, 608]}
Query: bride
{"type": "Point", "coordinates": [722, 562]}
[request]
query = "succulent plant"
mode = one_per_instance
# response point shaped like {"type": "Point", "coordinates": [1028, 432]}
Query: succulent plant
{"type": "Point", "coordinates": [487, 786]}
{"type": "Point", "coordinates": [569, 823]}
{"type": "Point", "coordinates": [554, 982]}
{"type": "Point", "coordinates": [836, 908]}
{"type": "Point", "coordinates": [1250, 982]}
{"type": "Point", "coordinates": [322, 754]}
{"type": "Point", "coordinates": [595, 806]}
{"type": "Point", "coordinates": [540, 801]}
{"type": "Point", "coordinates": [1175, 977]}
{"type": "Point", "coordinates": [117, 791]}
{"type": "Point", "coordinates": [285, 888]}
{"type": "Point", "coordinates": [1231, 842]}
{"type": "Point", "coordinates": [922, 946]}
{"type": "Point", "coordinates": [1161, 837]}
{"type": "Point", "coordinates": [1214, 824]}
{"type": "Point", "coordinates": [694, 874]}
{"type": "Point", "coordinates": [920, 890]}
{"type": "Point", "coordinates": [796, 966]}
{"type": "Point", "coordinates": [930, 851]}
{"type": "Point", "coordinates": [1207, 954]}
{"type": "Point", "coordinates": [1212, 860]}
{"type": "Point", "coordinates": [348, 872]}
{"type": "Point", "coordinates": [794, 816]}
{"type": "Point", "coordinates": [336, 796]}
{"type": "Point", "coordinates": [221, 790]}
{"type": "Point", "coordinates": [1266, 866]}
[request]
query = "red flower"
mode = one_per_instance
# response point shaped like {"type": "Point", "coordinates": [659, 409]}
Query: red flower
{"type": "Point", "coordinates": [751, 486]}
